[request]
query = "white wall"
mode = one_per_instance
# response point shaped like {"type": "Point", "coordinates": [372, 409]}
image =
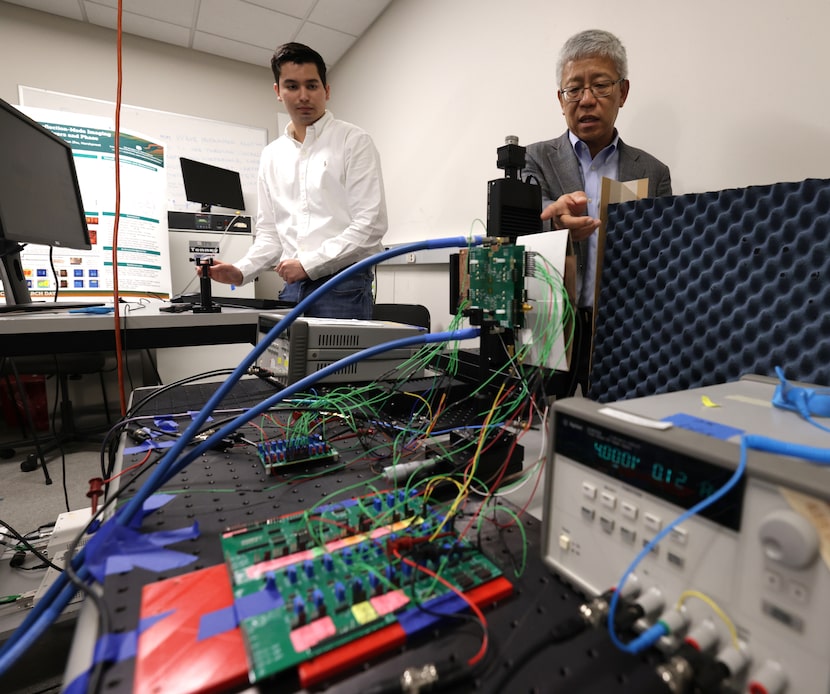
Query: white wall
{"type": "Point", "coordinates": [440, 83]}
{"type": "Point", "coordinates": [49, 52]}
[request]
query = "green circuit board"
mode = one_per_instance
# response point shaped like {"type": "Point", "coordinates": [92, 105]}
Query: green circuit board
{"type": "Point", "coordinates": [497, 283]}
{"type": "Point", "coordinates": [308, 583]}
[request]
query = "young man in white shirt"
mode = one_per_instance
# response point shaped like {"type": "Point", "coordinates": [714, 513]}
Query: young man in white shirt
{"type": "Point", "coordinates": [322, 205]}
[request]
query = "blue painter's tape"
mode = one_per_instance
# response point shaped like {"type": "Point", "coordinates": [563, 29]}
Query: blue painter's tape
{"type": "Point", "coordinates": [334, 507]}
{"type": "Point", "coordinates": [117, 549]}
{"type": "Point", "coordinates": [416, 619]}
{"type": "Point", "coordinates": [258, 603]}
{"type": "Point", "coordinates": [166, 424]}
{"type": "Point", "coordinates": [148, 622]}
{"type": "Point", "coordinates": [114, 647]}
{"type": "Point", "coordinates": [156, 501]}
{"type": "Point", "coordinates": [703, 426]}
{"type": "Point", "coordinates": [217, 622]}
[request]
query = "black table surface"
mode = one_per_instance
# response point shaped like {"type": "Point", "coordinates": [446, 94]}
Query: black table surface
{"type": "Point", "coordinates": [518, 660]}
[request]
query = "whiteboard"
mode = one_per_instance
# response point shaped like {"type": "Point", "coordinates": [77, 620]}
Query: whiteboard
{"type": "Point", "coordinates": [228, 145]}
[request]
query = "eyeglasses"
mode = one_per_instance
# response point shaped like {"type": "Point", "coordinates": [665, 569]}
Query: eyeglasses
{"type": "Point", "coordinates": [599, 89]}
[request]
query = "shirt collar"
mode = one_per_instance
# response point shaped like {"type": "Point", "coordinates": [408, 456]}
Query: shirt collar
{"type": "Point", "coordinates": [316, 127]}
{"type": "Point", "coordinates": [579, 146]}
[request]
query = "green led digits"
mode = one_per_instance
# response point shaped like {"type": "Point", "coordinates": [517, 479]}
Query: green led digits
{"type": "Point", "coordinates": [668, 475]}
{"type": "Point", "coordinates": [616, 456]}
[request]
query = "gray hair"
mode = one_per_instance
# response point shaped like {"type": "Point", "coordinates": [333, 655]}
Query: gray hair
{"type": "Point", "coordinates": [589, 44]}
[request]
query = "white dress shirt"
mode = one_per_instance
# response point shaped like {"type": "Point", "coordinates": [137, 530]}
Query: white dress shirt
{"type": "Point", "coordinates": [321, 201]}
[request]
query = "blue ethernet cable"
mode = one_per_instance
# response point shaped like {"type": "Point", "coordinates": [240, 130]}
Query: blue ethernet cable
{"type": "Point", "coordinates": [808, 402]}
{"type": "Point", "coordinates": [161, 472]}
{"type": "Point", "coordinates": [303, 384]}
{"type": "Point", "coordinates": [59, 594]}
{"type": "Point", "coordinates": [61, 591]}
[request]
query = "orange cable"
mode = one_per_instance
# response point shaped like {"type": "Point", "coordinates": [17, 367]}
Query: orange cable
{"type": "Point", "coordinates": [119, 353]}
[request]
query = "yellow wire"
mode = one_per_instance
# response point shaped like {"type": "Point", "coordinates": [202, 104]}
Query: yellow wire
{"type": "Point", "coordinates": [422, 399]}
{"type": "Point", "coordinates": [464, 490]}
{"type": "Point", "coordinates": [733, 632]}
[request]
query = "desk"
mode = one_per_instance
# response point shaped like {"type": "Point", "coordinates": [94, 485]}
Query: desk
{"type": "Point", "coordinates": [146, 328]}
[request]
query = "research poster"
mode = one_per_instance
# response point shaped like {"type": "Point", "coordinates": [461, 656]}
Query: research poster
{"type": "Point", "coordinates": [143, 249]}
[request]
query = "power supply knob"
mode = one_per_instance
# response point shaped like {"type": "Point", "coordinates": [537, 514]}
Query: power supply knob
{"type": "Point", "coordinates": [789, 538]}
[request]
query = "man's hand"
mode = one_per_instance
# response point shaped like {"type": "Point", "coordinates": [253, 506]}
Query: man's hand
{"type": "Point", "coordinates": [222, 272]}
{"type": "Point", "coordinates": [291, 270]}
{"type": "Point", "coordinates": [568, 212]}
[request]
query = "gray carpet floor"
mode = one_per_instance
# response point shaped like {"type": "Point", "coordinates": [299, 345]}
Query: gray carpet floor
{"type": "Point", "coordinates": [26, 500]}
{"type": "Point", "coordinates": [26, 504]}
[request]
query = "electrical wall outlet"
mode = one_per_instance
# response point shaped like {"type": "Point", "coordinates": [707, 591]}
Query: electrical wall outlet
{"type": "Point", "coordinates": [410, 257]}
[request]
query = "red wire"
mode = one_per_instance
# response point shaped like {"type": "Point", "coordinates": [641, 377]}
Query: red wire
{"type": "Point", "coordinates": [132, 467]}
{"type": "Point", "coordinates": [485, 641]}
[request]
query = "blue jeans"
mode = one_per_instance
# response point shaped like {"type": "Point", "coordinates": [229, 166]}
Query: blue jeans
{"type": "Point", "coordinates": [352, 298]}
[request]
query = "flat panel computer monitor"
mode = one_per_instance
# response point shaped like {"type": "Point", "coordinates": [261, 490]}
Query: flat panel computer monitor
{"type": "Point", "coordinates": [212, 185]}
{"type": "Point", "coordinates": [40, 201]}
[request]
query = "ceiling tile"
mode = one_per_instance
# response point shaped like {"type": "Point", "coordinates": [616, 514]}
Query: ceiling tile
{"type": "Point", "coordinates": [64, 8]}
{"type": "Point", "coordinates": [327, 42]}
{"type": "Point", "coordinates": [296, 8]}
{"type": "Point", "coordinates": [216, 45]}
{"type": "Point", "coordinates": [179, 12]}
{"type": "Point", "coordinates": [140, 26]}
{"type": "Point", "coordinates": [246, 23]}
{"type": "Point", "coordinates": [245, 30]}
{"type": "Point", "coordinates": [349, 17]}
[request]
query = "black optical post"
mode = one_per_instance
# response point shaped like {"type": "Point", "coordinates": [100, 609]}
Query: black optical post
{"type": "Point", "coordinates": [206, 304]}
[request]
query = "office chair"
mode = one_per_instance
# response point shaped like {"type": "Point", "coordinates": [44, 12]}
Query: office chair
{"type": "Point", "coordinates": [64, 367]}
{"type": "Point", "coordinates": [412, 314]}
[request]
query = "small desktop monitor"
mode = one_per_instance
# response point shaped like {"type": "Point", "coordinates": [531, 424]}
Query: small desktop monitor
{"type": "Point", "coordinates": [212, 185]}
{"type": "Point", "coordinates": [40, 200]}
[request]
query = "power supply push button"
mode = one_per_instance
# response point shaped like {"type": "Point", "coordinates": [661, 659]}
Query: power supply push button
{"type": "Point", "coordinates": [564, 542]}
{"type": "Point", "coordinates": [679, 536]}
{"type": "Point", "coordinates": [652, 522]}
{"type": "Point", "coordinates": [628, 535]}
{"type": "Point", "coordinates": [589, 491]}
{"type": "Point", "coordinates": [608, 500]}
{"type": "Point", "coordinates": [628, 510]}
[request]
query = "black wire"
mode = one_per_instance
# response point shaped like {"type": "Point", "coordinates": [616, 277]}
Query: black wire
{"type": "Point", "coordinates": [560, 633]}
{"type": "Point", "coordinates": [28, 545]}
{"type": "Point", "coordinates": [184, 381]}
{"type": "Point", "coordinates": [453, 672]}
{"type": "Point", "coordinates": [39, 567]}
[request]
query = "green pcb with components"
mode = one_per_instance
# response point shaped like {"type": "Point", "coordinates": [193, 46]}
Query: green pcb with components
{"type": "Point", "coordinates": [497, 283]}
{"type": "Point", "coordinates": [308, 583]}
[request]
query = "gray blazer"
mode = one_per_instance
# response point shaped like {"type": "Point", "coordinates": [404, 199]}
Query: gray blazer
{"type": "Point", "coordinates": [554, 166]}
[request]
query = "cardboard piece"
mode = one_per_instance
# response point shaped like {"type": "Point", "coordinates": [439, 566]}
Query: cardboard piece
{"type": "Point", "coordinates": [612, 192]}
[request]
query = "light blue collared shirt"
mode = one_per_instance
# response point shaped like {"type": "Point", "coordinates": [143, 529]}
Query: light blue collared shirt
{"type": "Point", "coordinates": [605, 164]}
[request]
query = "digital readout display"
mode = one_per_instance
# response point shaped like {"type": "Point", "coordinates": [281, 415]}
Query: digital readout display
{"type": "Point", "coordinates": [676, 478]}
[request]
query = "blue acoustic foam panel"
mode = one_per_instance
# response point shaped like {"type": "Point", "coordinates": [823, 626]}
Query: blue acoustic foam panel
{"type": "Point", "coordinates": [701, 289]}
